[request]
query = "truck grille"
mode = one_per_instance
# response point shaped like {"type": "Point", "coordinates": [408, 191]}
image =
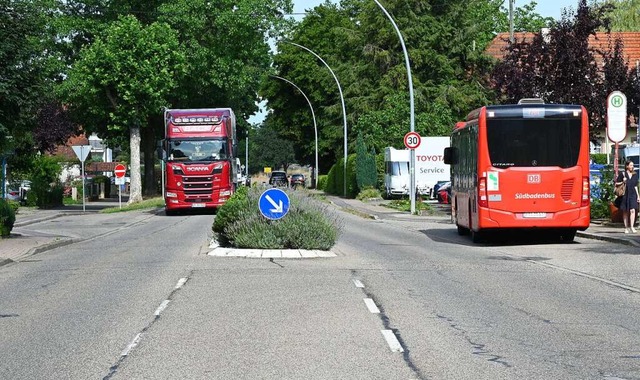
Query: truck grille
{"type": "Point", "coordinates": [198, 188]}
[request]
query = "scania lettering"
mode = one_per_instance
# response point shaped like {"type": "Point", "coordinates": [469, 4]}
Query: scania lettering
{"type": "Point", "coordinates": [200, 151]}
{"type": "Point", "coordinates": [524, 167]}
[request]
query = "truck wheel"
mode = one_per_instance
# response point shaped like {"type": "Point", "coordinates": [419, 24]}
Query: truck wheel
{"type": "Point", "coordinates": [168, 212]}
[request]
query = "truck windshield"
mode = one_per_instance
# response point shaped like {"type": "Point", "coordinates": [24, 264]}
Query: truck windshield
{"type": "Point", "coordinates": [533, 142]}
{"type": "Point", "coordinates": [197, 150]}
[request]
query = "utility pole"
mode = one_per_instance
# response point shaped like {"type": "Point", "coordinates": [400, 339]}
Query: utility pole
{"type": "Point", "coordinates": [511, 2]}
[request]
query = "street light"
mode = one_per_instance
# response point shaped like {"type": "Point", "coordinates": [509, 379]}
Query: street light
{"type": "Point", "coordinates": [315, 126]}
{"type": "Point", "coordinates": [412, 117]}
{"type": "Point", "coordinates": [344, 111]}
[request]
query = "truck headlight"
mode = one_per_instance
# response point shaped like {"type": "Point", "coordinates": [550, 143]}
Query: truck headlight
{"type": "Point", "coordinates": [225, 193]}
{"type": "Point", "coordinates": [171, 195]}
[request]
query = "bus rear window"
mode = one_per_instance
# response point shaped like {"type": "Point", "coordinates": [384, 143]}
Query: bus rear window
{"type": "Point", "coordinates": [533, 142]}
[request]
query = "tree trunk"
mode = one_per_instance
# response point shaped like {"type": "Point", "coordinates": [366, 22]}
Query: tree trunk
{"type": "Point", "coordinates": [149, 144]}
{"type": "Point", "coordinates": [135, 192]}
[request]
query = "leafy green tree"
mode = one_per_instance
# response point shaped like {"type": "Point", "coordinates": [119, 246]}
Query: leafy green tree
{"type": "Point", "coordinates": [267, 149]}
{"type": "Point", "coordinates": [122, 80]}
{"type": "Point", "coordinates": [625, 16]}
{"type": "Point", "coordinates": [25, 73]}
{"type": "Point", "coordinates": [225, 46]}
{"type": "Point", "coordinates": [357, 40]}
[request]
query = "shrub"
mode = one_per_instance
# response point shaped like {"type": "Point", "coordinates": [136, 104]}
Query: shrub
{"type": "Point", "coordinates": [599, 158]}
{"type": "Point", "coordinates": [44, 182]}
{"type": "Point", "coordinates": [368, 193]}
{"type": "Point", "coordinates": [335, 181]}
{"type": "Point", "coordinates": [309, 224]}
{"type": "Point", "coordinates": [322, 182]}
{"type": "Point", "coordinates": [7, 218]}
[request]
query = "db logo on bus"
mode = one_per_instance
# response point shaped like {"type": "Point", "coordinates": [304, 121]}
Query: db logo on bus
{"type": "Point", "coordinates": [533, 178]}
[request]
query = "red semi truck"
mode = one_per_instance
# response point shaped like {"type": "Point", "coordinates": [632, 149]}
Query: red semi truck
{"type": "Point", "coordinates": [200, 154]}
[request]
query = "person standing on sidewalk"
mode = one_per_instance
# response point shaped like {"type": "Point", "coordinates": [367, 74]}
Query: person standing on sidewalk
{"type": "Point", "coordinates": [631, 198]}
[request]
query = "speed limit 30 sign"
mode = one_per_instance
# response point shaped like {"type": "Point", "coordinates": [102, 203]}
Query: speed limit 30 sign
{"type": "Point", "coordinates": [412, 140]}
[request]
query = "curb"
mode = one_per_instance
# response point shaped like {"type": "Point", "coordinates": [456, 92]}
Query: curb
{"type": "Point", "coordinates": [607, 238]}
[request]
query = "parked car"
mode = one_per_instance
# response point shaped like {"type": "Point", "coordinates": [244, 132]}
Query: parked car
{"type": "Point", "coordinates": [436, 188]}
{"type": "Point", "coordinates": [12, 195]}
{"type": "Point", "coordinates": [298, 180]}
{"type": "Point", "coordinates": [279, 178]}
{"type": "Point", "coordinates": [444, 193]}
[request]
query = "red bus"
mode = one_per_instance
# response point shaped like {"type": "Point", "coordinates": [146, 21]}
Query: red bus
{"type": "Point", "coordinates": [521, 166]}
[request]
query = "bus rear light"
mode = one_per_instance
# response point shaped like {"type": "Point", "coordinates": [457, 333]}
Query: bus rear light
{"type": "Point", "coordinates": [586, 192]}
{"type": "Point", "coordinates": [483, 200]}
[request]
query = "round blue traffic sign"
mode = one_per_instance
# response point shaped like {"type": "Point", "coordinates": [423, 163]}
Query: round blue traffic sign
{"type": "Point", "coordinates": [274, 204]}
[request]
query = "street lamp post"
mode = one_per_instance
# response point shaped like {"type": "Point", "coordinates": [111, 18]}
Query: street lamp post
{"type": "Point", "coordinates": [412, 162]}
{"type": "Point", "coordinates": [344, 111]}
{"type": "Point", "coordinates": [315, 126]}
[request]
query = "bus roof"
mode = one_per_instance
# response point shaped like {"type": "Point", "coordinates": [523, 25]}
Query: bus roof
{"type": "Point", "coordinates": [528, 111]}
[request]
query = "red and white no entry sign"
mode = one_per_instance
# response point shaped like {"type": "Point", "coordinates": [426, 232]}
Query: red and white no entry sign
{"type": "Point", "coordinates": [412, 140]}
{"type": "Point", "coordinates": [120, 171]}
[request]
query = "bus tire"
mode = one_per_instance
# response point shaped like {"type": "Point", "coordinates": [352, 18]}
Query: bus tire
{"type": "Point", "coordinates": [476, 236]}
{"type": "Point", "coordinates": [567, 236]}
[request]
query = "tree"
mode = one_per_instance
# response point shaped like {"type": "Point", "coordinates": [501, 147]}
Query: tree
{"type": "Point", "coordinates": [560, 67]}
{"type": "Point", "coordinates": [54, 127]}
{"type": "Point", "coordinates": [25, 67]}
{"type": "Point", "coordinates": [267, 149]}
{"type": "Point", "coordinates": [624, 16]}
{"type": "Point", "coordinates": [226, 45]}
{"type": "Point", "coordinates": [122, 80]}
{"type": "Point", "coordinates": [357, 40]}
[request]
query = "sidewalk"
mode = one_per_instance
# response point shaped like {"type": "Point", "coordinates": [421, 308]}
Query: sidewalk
{"type": "Point", "coordinates": [20, 245]}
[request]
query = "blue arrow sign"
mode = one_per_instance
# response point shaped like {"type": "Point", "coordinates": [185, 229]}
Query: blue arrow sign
{"type": "Point", "coordinates": [274, 204]}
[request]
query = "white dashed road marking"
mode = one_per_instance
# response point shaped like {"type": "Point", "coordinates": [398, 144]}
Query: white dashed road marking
{"type": "Point", "coordinates": [371, 306]}
{"type": "Point", "coordinates": [392, 341]}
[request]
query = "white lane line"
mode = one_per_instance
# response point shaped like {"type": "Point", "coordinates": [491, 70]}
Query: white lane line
{"type": "Point", "coordinates": [586, 275]}
{"type": "Point", "coordinates": [181, 282]}
{"type": "Point", "coordinates": [392, 341]}
{"type": "Point", "coordinates": [371, 306]}
{"type": "Point", "coordinates": [132, 345]}
{"type": "Point", "coordinates": [161, 308]}
{"type": "Point", "coordinates": [358, 283]}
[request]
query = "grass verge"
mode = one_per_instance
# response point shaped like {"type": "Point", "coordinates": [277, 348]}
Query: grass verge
{"type": "Point", "coordinates": [144, 205]}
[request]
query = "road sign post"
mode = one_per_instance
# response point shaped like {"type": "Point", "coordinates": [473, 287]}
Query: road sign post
{"type": "Point", "coordinates": [120, 170]}
{"type": "Point", "coordinates": [412, 140]}
{"type": "Point", "coordinates": [616, 122]}
{"type": "Point", "coordinates": [82, 151]}
{"type": "Point", "coordinates": [274, 204]}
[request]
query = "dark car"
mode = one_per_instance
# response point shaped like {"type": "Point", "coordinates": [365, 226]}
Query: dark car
{"type": "Point", "coordinates": [298, 180]}
{"type": "Point", "coordinates": [279, 178]}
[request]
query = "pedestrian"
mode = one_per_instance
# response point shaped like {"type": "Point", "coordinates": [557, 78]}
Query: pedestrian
{"type": "Point", "coordinates": [631, 199]}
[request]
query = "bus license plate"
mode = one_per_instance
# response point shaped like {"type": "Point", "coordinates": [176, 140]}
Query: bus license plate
{"type": "Point", "coordinates": [534, 215]}
{"type": "Point", "coordinates": [197, 205]}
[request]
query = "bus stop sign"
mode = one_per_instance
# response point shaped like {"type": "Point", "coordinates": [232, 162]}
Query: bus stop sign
{"type": "Point", "coordinates": [616, 116]}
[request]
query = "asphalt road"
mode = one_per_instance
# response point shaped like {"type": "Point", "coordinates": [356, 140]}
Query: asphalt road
{"type": "Point", "coordinates": [138, 298]}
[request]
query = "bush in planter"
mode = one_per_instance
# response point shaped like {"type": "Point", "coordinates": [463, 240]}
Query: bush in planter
{"type": "Point", "coordinates": [7, 218]}
{"type": "Point", "coordinates": [309, 224]}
